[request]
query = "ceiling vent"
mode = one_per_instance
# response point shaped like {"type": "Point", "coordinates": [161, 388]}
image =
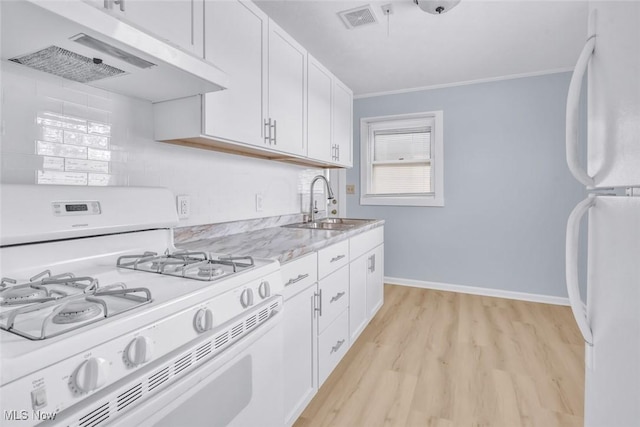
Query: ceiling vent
{"type": "Point", "coordinates": [358, 17]}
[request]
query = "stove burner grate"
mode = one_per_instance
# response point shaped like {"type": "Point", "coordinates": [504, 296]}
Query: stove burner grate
{"type": "Point", "coordinates": [86, 303]}
{"type": "Point", "coordinates": [190, 265]}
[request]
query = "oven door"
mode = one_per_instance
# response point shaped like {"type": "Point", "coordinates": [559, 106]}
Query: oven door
{"type": "Point", "coordinates": [240, 387]}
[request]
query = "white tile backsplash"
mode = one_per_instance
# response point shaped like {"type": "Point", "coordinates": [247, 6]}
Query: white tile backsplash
{"type": "Point", "coordinates": [222, 186]}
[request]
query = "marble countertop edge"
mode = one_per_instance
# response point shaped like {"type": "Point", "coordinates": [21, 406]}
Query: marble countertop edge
{"type": "Point", "coordinates": [278, 243]}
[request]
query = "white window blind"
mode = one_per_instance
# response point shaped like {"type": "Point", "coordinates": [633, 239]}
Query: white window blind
{"type": "Point", "coordinates": [401, 161]}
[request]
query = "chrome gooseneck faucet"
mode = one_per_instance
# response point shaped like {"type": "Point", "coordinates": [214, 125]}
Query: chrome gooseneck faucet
{"type": "Point", "coordinates": [312, 211]}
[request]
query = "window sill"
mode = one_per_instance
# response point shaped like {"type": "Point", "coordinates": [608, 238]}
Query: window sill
{"type": "Point", "coordinates": [433, 201]}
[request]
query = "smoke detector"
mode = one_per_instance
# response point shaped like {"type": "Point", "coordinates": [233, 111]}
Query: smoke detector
{"type": "Point", "coordinates": [358, 17]}
{"type": "Point", "coordinates": [436, 7]}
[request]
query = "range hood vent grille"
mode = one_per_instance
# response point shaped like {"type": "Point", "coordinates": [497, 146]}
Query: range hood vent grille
{"type": "Point", "coordinates": [69, 65]}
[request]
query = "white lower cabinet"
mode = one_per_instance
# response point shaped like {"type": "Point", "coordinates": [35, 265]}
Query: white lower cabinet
{"type": "Point", "coordinates": [375, 280]}
{"type": "Point", "coordinates": [300, 332]}
{"type": "Point", "coordinates": [333, 344]}
{"type": "Point", "coordinates": [358, 313]}
{"type": "Point", "coordinates": [334, 296]}
{"type": "Point", "coordinates": [330, 297]}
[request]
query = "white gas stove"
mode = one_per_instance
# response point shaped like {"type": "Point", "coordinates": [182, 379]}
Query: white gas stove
{"type": "Point", "coordinates": [101, 316]}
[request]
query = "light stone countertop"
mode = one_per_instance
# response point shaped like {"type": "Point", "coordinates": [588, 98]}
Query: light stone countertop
{"type": "Point", "coordinates": [278, 243]}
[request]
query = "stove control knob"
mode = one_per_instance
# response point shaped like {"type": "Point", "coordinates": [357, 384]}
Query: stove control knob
{"type": "Point", "coordinates": [246, 298]}
{"type": "Point", "coordinates": [203, 320]}
{"type": "Point", "coordinates": [91, 374]}
{"type": "Point", "coordinates": [264, 290]}
{"type": "Point", "coordinates": [138, 351]}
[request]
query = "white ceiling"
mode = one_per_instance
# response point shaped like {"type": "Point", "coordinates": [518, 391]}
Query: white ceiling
{"type": "Point", "coordinates": [477, 40]}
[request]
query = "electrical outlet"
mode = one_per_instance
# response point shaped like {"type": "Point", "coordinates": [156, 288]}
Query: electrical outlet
{"type": "Point", "coordinates": [259, 201]}
{"type": "Point", "coordinates": [184, 206]}
{"type": "Point", "coordinates": [351, 189]}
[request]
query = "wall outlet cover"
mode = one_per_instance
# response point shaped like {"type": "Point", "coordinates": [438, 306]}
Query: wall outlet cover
{"type": "Point", "coordinates": [351, 189]}
{"type": "Point", "coordinates": [183, 202]}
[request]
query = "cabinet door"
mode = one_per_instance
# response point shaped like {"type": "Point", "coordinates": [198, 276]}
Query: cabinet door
{"type": "Point", "coordinates": [319, 86]}
{"type": "Point", "coordinates": [287, 91]}
{"type": "Point", "coordinates": [300, 354]}
{"type": "Point", "coordinates": [235, 41]}
{"type": "Point", "coordinates": [342, 123]}
{"type": "Point", "coordinates": [179, 22]}
{"type": "Point", "coordinates": [358, 314]}
{"type": "Point", "coordinates": [375, 280]}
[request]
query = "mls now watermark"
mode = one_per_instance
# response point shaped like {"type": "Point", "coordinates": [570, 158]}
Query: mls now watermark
{"type": "Point", "coordinates": [16, 415]}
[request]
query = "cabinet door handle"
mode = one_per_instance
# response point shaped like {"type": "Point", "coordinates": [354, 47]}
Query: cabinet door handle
{"type": "Point", "coordinates": [297, 279]}
{"type": "Point", "coordinates": [318, 307]}
{"type": "Point", "coordinates": [106, 4]}
{"type": "Point", "coordinates": [338, 150]}
{"type": "Point", "coordinates": [337, 258]}
{"type": "Point", "coordinates": [121, 3]}
{"type": "Point", "coordinates": [373, 263]}
{"type": "Point", "coordinates": [267, 131]}
{"type": "Point", "coordinates": [337, 297]}
{"type": "Point", "coordinates": [275, 130]}
{"type": "Point", "coordinates": [336, 347]}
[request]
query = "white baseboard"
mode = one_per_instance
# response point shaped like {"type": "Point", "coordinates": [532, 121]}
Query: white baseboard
{"type": "Point", "coordinates": [487, 292]}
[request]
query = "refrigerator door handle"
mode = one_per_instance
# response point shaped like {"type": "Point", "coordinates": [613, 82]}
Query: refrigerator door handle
{"type": "Point", "coordinates": [573, 104]}
{"type": "Point", "coordinates": [573, 236]}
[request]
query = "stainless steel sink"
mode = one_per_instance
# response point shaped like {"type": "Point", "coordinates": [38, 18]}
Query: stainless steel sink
{"type": "Point", "coordinates": [330, 224]}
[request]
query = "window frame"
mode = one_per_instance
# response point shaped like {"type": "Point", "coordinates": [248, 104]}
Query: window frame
{"type": "Point", "coordinates": [402, 121]}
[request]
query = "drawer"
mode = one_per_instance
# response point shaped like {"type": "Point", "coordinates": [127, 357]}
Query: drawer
{"type": "Point", "coordinates": [332, 258]}
{"type": "Point", "coordinates": [334, 296]}
{"type": "Point", "coordinates": [332, 346]}
{"type": "Point", "coordinates": [363, 243]}
{"type": "Point", "coordinates": [297, 275]}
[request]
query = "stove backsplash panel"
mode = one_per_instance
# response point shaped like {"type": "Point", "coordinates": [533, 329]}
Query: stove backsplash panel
{"type": "Point", "coordinates": [60, 132]}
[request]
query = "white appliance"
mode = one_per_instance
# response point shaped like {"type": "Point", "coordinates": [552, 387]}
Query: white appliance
{"type": "Point", "coordinates": [610, 320]}
{"type": "Point", "coordinates": [74, 40]}
{"type": "Point", "coordinates": [104, 322]}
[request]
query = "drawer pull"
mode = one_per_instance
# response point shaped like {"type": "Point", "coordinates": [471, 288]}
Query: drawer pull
{"type": "Point", "coordinates": [297, 279]}
{"type": "Point", "coordinates": [337, 346]}
{"type": "Point", "coordinates": [337, 297]}
{"type": "Point", "coordinates": [337, 258]}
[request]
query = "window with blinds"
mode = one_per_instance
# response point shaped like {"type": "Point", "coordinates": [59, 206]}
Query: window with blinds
{"type": "Point", "coordinates": [402, 160]}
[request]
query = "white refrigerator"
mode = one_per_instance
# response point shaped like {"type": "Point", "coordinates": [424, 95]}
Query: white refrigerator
{"type": "Point", "coordinates": [610, 318]}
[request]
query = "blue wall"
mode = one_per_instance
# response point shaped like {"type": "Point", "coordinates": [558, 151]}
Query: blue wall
{"type": "Point", "coordinates": [507, 188]}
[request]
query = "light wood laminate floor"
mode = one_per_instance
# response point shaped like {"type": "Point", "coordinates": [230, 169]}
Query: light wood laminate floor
{"type": "Point", "coordinates": [434, 358]}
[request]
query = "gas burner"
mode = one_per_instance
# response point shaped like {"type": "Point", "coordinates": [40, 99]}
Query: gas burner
{"type": "Point", "coordinates": [210, 270]}
{"type": "Point", "coordinates": [77, 311]}
{"type": "Point", "coordinates": [21, 295]}
{"type": "Point", "coordinates": [190, 265]}
{"type": "Point", "coordinates": [59, 304]}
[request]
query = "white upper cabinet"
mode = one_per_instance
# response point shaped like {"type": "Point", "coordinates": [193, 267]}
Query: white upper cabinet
{"type": "Point", "coordinates": [280, 104]}
{"type": "Point", "coordinates": [342, 135]}
{"type": "Point", "coordinates": [319, 88]}
{"type": "Point", "coordinates": [329, 116]}
{"type": "Point", "coordinates": [236, 35]}
{"type": "Point", "coordinates": [287, 92]}
{"type": "Point", "coordinates": [179, 22]}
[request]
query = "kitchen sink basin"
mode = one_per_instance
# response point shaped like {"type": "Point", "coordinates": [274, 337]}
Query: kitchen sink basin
{"type": "Point", "coordinates": [330, 224]}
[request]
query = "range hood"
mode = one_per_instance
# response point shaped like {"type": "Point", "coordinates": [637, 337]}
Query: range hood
{"type": "Point", "coordinates": [75, 40]}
